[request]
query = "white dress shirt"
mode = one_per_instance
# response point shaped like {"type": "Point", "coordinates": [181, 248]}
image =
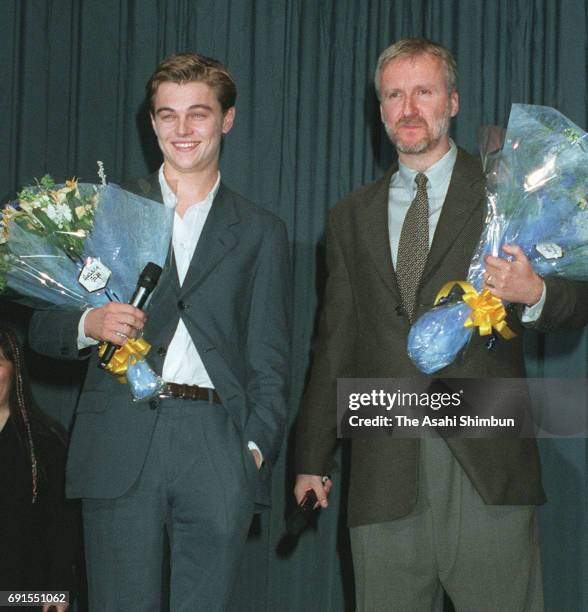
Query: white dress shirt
{"type": "Point", "coordinates": [183, 364]}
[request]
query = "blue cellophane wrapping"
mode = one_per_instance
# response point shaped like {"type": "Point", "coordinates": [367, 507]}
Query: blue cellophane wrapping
{"type": "Point", "coordinates": [125, 250]}
{"type": "Point", "coordinates": [144, 383]}
{"type": "Point", "coordinates": [128, 232]}
{"type": "Point", "coordinates": [537, 192]}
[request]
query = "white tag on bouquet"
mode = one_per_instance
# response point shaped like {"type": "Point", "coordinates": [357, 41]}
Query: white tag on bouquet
{"type": "Point", "coordinates": [549, 250]}
{"type": "Point", "coordinates": [94, 275]}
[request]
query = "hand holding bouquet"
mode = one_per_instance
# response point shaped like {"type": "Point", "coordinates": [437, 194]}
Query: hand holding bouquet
{"type": "Point", "coordinates": [537, 187]}
{"type": "Point", "coordinates": [80, 246]}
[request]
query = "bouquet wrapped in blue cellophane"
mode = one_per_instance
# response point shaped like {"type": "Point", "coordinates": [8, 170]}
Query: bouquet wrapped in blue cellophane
{"type": "Point", "coordinates": [80, 246]}
{"type": "Point", "coordinates": [537, 187]}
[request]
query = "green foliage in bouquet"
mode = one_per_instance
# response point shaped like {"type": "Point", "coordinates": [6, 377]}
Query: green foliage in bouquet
{"type": "Point", "coordinates": [62, 214]}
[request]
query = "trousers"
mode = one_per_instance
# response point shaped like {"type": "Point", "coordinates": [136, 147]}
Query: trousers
{"type": "Point", "coordinates": [197, 486]}
{"type": "Point", "coordinates": [485, 557]}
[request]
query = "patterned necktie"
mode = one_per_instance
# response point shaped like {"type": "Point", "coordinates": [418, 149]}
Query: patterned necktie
{"type": "Point", "coordinates": [413, 247]}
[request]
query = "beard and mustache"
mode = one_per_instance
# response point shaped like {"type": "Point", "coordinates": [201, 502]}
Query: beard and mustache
{"type": "Point", "coordinates": [433, 135]}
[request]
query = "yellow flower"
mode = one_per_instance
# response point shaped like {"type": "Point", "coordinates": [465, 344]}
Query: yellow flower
{"type": "Point", "coordinates": [60, 195]}
{"type": "Point", "coordinates": [8, 213]}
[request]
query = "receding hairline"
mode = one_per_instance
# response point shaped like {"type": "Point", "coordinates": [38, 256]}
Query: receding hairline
{"type": "Point", "coordinates": [413, 48]}
{"type": "Point", "coordinates": [412, 58]}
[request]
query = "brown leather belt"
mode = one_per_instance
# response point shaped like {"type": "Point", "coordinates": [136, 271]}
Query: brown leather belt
{"type": "Point", "coordinates": [189, 392]}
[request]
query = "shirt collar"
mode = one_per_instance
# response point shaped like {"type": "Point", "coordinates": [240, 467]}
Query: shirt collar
{"type": "Point", "coordinates": [438, 172]}
{"type": "Point", "coordinates": [169, 197]}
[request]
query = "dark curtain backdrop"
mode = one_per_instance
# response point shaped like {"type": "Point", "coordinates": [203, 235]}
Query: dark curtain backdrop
{"type": "Point", "coordinates": [72, 75]}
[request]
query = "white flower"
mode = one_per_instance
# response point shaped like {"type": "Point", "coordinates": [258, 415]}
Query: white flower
{"type": "Point", "coordinates": [51, 212]}
{"type": "Point", "coordinates": [101, 173]}
{"type": "Point", "coordinates": [58, 213]}
{"type": "Point", "coordinates": [66, 212]}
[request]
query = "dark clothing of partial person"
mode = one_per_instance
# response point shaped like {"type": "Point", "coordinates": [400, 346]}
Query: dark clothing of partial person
{"type": "Point", "coordinates": [181, 464]}
{"type": "Point", "coordinates": [38, 541]}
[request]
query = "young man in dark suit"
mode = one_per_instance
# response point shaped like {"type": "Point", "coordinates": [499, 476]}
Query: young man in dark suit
{"type": "Point", "coordinates": [195, 460]}
{"type": "Point", "coordinates": [429, 514]}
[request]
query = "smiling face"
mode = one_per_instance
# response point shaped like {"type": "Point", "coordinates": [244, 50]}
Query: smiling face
{"type": "Point", "coordinates": [416, 108]}
{"type": "Point", "coordinates": [189, 124]}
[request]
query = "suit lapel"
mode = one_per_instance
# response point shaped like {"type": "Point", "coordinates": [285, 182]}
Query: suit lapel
{"type": "Point", "coordinates": [373, 224]}
{"type": "Point", "coordinates": [464, 196]}
{"type": "Point", "coordinates": [217, 239]}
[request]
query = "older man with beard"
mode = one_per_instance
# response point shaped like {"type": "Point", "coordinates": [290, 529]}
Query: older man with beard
{"type": "Point", "coordinates": [432, 514]}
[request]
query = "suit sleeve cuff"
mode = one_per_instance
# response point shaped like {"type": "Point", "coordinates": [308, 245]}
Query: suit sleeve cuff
{"type": "Point", "coordinates": [83, 340]}
{"type": "Point", "coordinates": [252, 446]}
{"type": "Point", "coordinates": [532, 313]}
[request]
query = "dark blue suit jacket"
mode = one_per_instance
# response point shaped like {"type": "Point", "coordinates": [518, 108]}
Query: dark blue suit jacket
{"type": "Point", "coordinates": [235, 303]}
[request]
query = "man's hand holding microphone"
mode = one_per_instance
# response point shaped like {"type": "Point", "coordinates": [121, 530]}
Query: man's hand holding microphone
{"type": "Point", "coordinates": [114, 323]}
{"type": "Point", "coordinates": [321, 485]}
{"type": "Point", "coordinates": [311, 492]}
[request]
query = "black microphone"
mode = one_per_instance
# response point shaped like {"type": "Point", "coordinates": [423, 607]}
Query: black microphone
{"type": "Point", "coordinates": [145, 285]}
{"type": "Point", "coordinates": [300, 516]}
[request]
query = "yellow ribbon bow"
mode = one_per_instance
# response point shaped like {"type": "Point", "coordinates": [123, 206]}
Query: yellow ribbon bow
{"type": "Point", "coordinates": [132, 350]}
{"type": "Point", "coordinates": [488, 311]}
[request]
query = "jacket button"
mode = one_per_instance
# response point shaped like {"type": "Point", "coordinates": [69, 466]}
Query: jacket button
{"type": "Point", "coordinates": [161, 350]}
{"type": "Point", "coordinates": [153, 404]}
{"type": "Point", "coordinates": [182, 305]}
{"type": "Point", "coordinates": [399, 311]}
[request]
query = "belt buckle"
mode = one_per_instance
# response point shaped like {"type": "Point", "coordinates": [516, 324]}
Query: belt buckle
{"type": "Point", "coordinates": [166, 393]}
{"type": "Point", "coordinates": [176, 391]}
{"type": "Point", "coordinates": [185, 391]}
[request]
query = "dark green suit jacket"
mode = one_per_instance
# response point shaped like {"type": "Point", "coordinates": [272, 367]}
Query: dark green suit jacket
{"type": "Point", "coordinates": [363, 334]}
{"type": "Point", "coordinates": [235, 303]}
